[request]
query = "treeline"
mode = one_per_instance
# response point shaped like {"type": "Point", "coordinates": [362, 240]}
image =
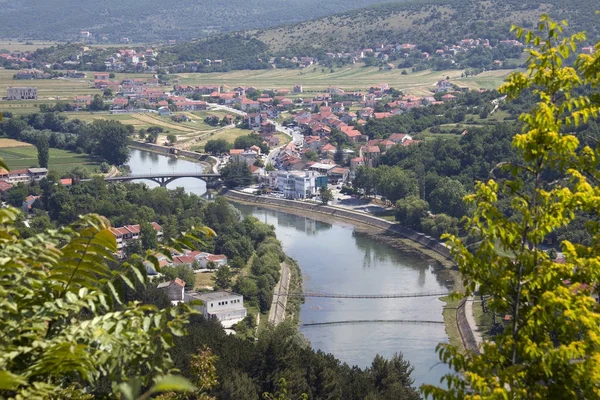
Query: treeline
{"type": "Point", "coordinates": [235, 51]}
{"type": "Point", "coordinates": [107, 140]}
{"type": "Point", "coordinates": [247, 369]}
{"type": "Point", "coordinates": [176, 211]}
{"type": "Point", "coordinates": [428, 181]}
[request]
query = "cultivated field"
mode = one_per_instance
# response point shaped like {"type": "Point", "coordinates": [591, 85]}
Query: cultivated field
{"type": "Point", "coordinates": [350, 78]}
{"type": "Point", "coordinates": [14, 45]}
{"type": "Point", "coordinates": [6, 143]}
{"type": "Point", "coordinates": [60, 160]}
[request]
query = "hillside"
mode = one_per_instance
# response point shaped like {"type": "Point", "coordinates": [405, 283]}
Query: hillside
{"type": "Point", "coordinates": [426, 21]}
{"type": "Point", "coordinates": [155, 20]}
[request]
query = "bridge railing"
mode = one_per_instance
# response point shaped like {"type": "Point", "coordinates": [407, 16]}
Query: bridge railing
{"type": "Point", "coordinates": [165, 175]}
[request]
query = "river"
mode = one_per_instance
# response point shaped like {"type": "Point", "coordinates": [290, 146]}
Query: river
{"type": "Point", "coordinates": [335, 259]}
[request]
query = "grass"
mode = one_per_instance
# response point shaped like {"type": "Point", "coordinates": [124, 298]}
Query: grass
{"type": "Point", "coordinates": [61, 161]}
{"type": "Point", "coordinates": [483, 320]}
{"type": "Point", "coordinates": [204, 279]}
{"type": "Point", "coordinates": [449, 315]}
{"type": "Point", "coordinates": [18, 45]}
{"type": "Point", "coordinates": [226, 134]}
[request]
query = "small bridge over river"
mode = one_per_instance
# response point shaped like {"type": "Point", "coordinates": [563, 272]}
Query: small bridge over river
{"type": "Point", "coordinates": [366, 296]}
{"type": "Point", "coordinates": [164, 179]}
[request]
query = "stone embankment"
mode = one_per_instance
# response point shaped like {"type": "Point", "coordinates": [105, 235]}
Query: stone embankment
{"type": "Point", "coordinates": [156, 148]}
{"type": "Point", "coordinates": [353, 216]}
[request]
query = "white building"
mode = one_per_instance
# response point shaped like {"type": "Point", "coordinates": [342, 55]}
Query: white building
{"type": "Point", "coordinates": [227, 307]}
{"type": "Point", "coordinates": [296, 184]}
{"type": "Point", "coordinates": [21, 93]}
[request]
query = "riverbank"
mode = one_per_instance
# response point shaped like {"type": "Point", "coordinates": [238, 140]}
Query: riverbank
{"type": "Point", "coordinates": [202, 159]}
{"type": "Point", "coordinates": [459, 332]}
{"type": "Point", "coordinates": [392, 234]}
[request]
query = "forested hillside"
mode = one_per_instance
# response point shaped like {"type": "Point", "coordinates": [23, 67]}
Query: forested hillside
{"type": "Point", "coordinates": [154, 20]}
{"type": "Point", "coordinates": [427, 21]}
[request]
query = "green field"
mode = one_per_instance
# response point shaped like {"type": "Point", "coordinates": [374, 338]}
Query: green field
{"type": "Point", "coordinates": [350, 78]}
{"type": "Point", "coordinates": [60, 160]}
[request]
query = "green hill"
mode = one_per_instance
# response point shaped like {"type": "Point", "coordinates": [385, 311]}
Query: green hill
{"type": "Point", "coordinates": [427, 21]}
{"type": "Point", "coordinates": [155, 20]}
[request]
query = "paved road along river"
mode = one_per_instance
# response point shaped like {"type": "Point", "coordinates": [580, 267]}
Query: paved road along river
{"type": "Point", "coordinates": [334, 258]}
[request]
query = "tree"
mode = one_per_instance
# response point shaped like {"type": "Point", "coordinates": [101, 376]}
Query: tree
{"type": "Point", "coordinates": [222, 278]}
{"type": "Point", "coordinates": [447, 197]}
{"type": "Point", "coordinates": [325, 194]}
{"type": "Point", "coordinates": [552, 342]}
{"type": "Point", "coordinates": [181, 271]}
{"type": "Point", "coordinates": [311, 155]}
{"type": "Point", "coordinates": [236, 173]}
{"type": "Point", "coordinates": [172, 138]}
{"type": "Point", "coordinates": [104, 167]}
{"type": "Point", "coordinates": [148, 236]}
{"type": "Point", "coordinates": [245, 142]}
{"type": "Point", "coordinates": [97, 104]}
{"type": "Point", "coordinates": [43, 150]}
{"type": "Point", "coordinates": [410, 210]}
{"type": "Point", "coordinates": [77, 338]}
{"type": "Point", "coordinates": [110, 141]}
{"type": "Point", "coordinates": [218, 146]}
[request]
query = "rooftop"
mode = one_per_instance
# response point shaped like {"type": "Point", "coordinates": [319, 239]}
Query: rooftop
{"type": "Point", "coordinates": [214, 296]}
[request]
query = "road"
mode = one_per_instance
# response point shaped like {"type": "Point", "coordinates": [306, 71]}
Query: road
{"type": "Point", "coordinates": [296, 136]}
{"type": "Point", "coordinates": [277, 311]}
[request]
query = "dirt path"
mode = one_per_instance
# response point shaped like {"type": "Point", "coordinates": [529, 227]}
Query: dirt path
{"type": "Point", "coordinates": [277, 311]}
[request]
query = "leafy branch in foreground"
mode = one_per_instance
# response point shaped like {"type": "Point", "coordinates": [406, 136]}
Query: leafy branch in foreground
{"type": "Point", "coordinates": [551, 349]}
{"type": "Point", "coordinates": [64, 324]}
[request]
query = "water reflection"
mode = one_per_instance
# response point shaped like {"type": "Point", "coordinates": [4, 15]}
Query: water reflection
{"type": "Point", "coordinates": [335, 259]}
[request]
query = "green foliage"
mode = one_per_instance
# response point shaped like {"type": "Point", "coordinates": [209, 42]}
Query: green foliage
{"type": "Point", "coordinates": [325, 194]}
{"type": "Point", "coordinates": [248, 369]}
{"type": "Point", "coordinates": [148, 235]}
{"type": "Point", "coordinates": [104, 167]}
{"type": "Point", "coordinates": [172, 138]}
{"type": "Point", "coordinates": [245, 142]}
{"type": "Point", "coordinates": [65, 325]}
{"type": "Point", "coordinates": [217, 146]}
{"type": "Point", "coordinates": [236, 173]}
{"type": "Point", "coordinates": [550, 348]}
{"type": "Point", "coordinates": [181, 271]}
{"type": "Point", "coordinates": [105, 139]}
{"type": "Point", "coordinates": [223, 278]}
{"type": "Point", "coordinates": [43, 151]}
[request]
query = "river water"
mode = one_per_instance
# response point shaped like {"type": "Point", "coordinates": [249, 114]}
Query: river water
{"type": "Point", "coordinates": [335, 259]}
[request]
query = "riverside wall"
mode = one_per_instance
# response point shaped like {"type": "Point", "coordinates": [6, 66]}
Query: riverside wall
{"type": "Point", "coordinates": [426, 241]}
{"type": "Point", "coordinates": [170, 151]}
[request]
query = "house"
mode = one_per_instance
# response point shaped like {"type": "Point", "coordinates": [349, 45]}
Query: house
{"type": "Point", "coordinates": [227, 307]}
{"type": "Point", "coordinates": [297, 89]}
{"type": "Point", "coordinates": [255, 149]}
{"type": "Point", "coordinates": [66, 182]}
{"type": "Point", "coordinates": [21, 93]}
{"type": "Point", "coordinates": [322, 168]}
{"type": "Point", "coordinates": [338, 175]}
{"type": "Point", "coordinates": [4, 188]}
{"type": "Point", "coordinates": [175, 289]}
{"type": "Point", "coordinates": [101, 76]}
{"type": "Point", "coordinates": [29, 74]}
{"type": "Point", "coordinates": [28, 203]}
{"type": "Point", "coordinates": [267, 127]}
{"type": "Point", "coordinates": [37, 174]}
{"type": "Point", "coordinates": [399, 137]}
{"type": "Point", "coordinates": [247, 104]}
{"type": "Point", "coordinates": [126, 233]}
{"type": "Point", "coordinates": [164, 111]}
{"type": "Point", "coordinates": [448, 97]}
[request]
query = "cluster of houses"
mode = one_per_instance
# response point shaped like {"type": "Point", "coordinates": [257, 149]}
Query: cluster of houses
{"type": "Point", "coordinates": [10, 178]}
{"type": "Point", "coordinates": [384, 51]}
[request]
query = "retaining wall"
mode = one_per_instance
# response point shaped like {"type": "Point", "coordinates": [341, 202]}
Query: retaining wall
{"type": "Point", "coordinates": [427, 241]}
{"type": "Point", "coordinates": [168, 151]}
